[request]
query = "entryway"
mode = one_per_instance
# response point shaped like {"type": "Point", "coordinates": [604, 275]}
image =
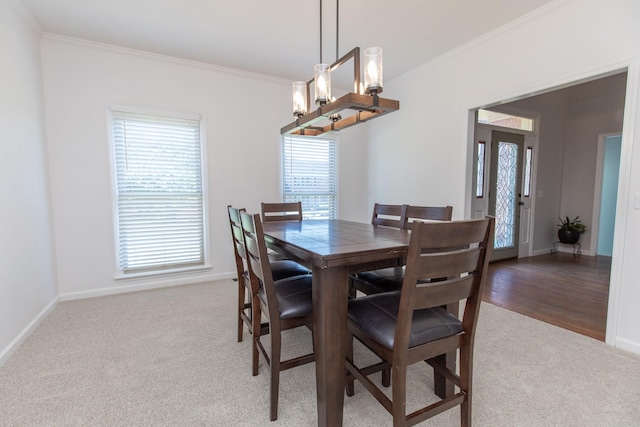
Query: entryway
{"type": "Point", "coordinates": [564, 148]}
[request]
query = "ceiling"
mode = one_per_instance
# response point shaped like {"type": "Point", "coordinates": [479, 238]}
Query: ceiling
{"type": "Point", "coordinates": [280, 38]}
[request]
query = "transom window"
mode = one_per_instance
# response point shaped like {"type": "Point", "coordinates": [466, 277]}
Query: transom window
{"type": "Point", "coordinates": [505, 120]}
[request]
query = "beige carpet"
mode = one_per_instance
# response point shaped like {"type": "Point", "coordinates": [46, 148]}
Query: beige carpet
{"type": "Point", "coordinates": [169, 357]}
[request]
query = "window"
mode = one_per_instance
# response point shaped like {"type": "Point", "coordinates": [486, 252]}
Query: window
{"type": "Point", "coordinates": [505, 120]}
{"type": "Point", "coordinates": [527, 171]}
{"type": "Point", "coordinates": [158, 188]}
{"type": "Point", "coordinates": [309, 175]}
{"type": "Point", "coordinates": [480, 170]}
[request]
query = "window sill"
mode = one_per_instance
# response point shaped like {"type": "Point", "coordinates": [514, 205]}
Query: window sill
{"type": "Point", "coordinates": [175, 271]}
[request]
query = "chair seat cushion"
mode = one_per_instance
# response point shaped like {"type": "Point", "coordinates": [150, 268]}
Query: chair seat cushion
{"type": "Point", "coordinates": [376, 315]}
{"type": "Point", "coordinates": [294, 296]}
{"type": "Point", "coordinates": [283, 269]}
{"type": "Point", "coordinates": [383, 280]}
{"type": "Point", "coordinates": [286, 268]}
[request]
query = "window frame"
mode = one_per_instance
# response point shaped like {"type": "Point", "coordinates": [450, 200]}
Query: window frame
{"type": "Point", "coordinates": [120, 273]}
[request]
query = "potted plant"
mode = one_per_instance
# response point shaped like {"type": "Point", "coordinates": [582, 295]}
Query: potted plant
{"type": "Point", "coordinates": [570, 230]}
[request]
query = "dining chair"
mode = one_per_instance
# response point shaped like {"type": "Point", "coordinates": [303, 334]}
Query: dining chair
{"type": "Point", "coordinates": [390, 279]}
{"type": "Point", "coordinates": [279, 270]}
{"type": "Point", "coordinates": [388, 216]}
{"type": "Point", "coordinates": [290, 211]}
{"type": "Point", "coordinates": [411, 326]}
{"type": "Point", "coordinates": [286, 304]}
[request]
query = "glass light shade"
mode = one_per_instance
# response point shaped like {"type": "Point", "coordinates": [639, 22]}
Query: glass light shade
{"type": "Point", "coordinates": [322, 79]}
{"type": "Point", "coordinates": [373, 70]}
{"type": "Point", "coordinates": [299, 99]}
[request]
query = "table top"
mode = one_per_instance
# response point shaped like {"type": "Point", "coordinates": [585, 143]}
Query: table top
{"type": "Point", "coordinates": [334, 243]}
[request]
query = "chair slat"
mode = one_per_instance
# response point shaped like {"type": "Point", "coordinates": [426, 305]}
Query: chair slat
{"type": "Point", "coordinates": [439, 235]}
{"type": "Point", "coordinates": [446, 264]}
{"type": "Point", "coordinates": [437, 294]}
{"type": "Point", "coordinates": [432, 213]}
{"type": "Point", "coordinates": [290, 211]}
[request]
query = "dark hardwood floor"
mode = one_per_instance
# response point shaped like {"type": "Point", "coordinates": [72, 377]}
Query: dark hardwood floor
{"type": "Point", "coordinates": [561, 289]}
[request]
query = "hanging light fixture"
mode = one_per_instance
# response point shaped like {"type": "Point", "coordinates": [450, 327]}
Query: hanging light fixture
{"type": "Point", "coordinates": [364, 102]}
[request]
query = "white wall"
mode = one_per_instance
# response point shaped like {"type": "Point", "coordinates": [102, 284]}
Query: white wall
{"type": "Point", "coordinates": [594, 109]}
{"type": "Point", "coordinates": [567, 41]}
{"type": "Point", "coordinates": [27, 273]}
{"type": "Point", "coordinates": [243, 115]}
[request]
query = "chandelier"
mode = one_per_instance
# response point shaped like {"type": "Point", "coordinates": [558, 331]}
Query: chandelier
{"type": "Point", "coordinates": [359, 106]}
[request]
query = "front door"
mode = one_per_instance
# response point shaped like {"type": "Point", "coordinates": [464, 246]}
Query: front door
{"type": "Point", "coordinates": [505, 192]}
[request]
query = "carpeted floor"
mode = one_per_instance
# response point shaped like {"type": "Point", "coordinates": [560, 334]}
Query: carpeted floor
{"type": "Point", "coordinates": [169, 357]}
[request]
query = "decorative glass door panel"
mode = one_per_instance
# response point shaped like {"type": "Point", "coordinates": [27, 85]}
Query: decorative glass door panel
{"type": "Point", "coordinates": [504, 193]}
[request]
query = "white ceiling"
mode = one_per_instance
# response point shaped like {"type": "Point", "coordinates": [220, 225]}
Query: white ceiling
{"type": "Point", "coordinates": [280, 37]}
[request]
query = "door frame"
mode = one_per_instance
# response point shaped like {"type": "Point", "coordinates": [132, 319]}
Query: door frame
{"type": "Point", "coordinates": [624, 202]}
{"type": "Point", "coordinates": [479, 206]}
{"type": "Point", "coordinates": [597, 190]}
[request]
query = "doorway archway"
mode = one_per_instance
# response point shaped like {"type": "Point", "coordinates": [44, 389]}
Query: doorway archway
{"type": "Point", "coordinates": [571, 119]}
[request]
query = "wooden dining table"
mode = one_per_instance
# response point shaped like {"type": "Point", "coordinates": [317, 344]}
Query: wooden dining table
{"type": "Point", "coordinates": [333, 249]}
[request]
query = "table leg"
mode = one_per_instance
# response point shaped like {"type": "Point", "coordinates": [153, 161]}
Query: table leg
{"type": "Point", "coordinates": [330, 288]}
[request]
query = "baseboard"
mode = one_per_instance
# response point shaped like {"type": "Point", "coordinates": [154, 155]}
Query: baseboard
{"type": "Point", "coordinates": [541, 252]}
{"type": "Point", "coordinates": [155, 284]}
{"type": "Point", "coordinates": [628, 345]}
{"type": "Point", "coordinates": [563, 249]}
{"type": "Point", "coordinates": [13, 345]}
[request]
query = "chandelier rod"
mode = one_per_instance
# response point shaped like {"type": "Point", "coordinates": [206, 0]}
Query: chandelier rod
{"type": "Point", "coordinates": [337, 26]}
{"type": "Point", "coordinates": [320, 31]}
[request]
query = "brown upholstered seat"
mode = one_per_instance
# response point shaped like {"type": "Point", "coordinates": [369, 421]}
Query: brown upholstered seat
{"type": "Point", "coordinates": [410, 326]}
{"type": "Point", "coordinates": [280, 269]}
{"type": "Point", "coordinates": [286, 304]}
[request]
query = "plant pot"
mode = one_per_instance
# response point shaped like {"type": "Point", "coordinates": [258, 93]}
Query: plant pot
{"type": "Point", "coordinates": [568, 236]}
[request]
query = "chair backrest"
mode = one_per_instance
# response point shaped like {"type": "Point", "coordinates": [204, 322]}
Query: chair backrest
{"type": "Point", "coordinates": [281, 211]}
{"type": "Point", "coordinates": [389, 215]}
{"type": "Point", "coordinates": [258, 260]}
{"type": "Point", "coordinates": [458, 251]}
{"type": "Point", "coordinates": [434, 213]}
{"type": "Point", "coordinates": [238, 241]}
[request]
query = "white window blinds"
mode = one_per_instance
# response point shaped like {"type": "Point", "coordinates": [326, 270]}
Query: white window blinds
{"type": "Point", "coordinates": [309, 175]}
{"type": "Point", "coordinates": [159, 203]}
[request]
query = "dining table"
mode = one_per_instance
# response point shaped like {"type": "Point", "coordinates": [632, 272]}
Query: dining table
{"type": "Point", "coordinates": [333, 249]}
